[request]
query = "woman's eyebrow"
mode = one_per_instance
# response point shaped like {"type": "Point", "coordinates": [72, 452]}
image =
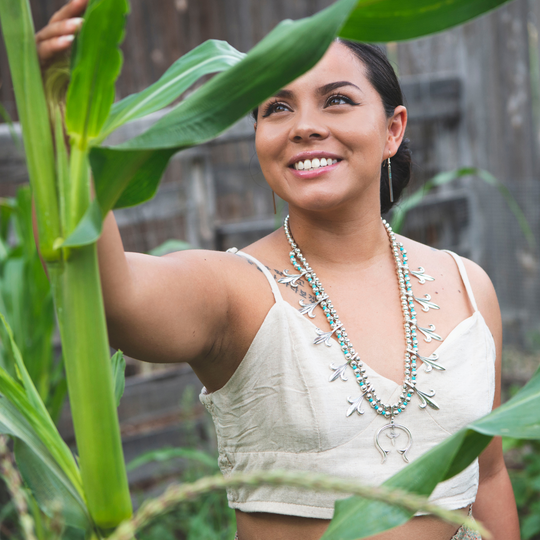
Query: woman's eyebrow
{"type": "Point", "coordinates": [283, 94]}
{"type": "Point", "coordinates": [323, 90]}
{"type": "Point", "coordinates": [320, 91]}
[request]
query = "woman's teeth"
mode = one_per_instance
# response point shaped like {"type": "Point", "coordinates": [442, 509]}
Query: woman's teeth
{"type": "Point", "coordinates": [313, 163]}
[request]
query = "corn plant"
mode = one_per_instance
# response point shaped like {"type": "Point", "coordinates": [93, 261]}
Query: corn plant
{"type": "Point", "coordinates": [93, 490]}
{"type": "Point", "coordinates": [26, 302]}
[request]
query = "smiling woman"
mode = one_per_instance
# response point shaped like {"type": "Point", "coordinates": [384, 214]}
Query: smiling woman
{"type": "Point", "coordinates": [374, 73]}
{"type": "Point", "coordinates": [331, 369]}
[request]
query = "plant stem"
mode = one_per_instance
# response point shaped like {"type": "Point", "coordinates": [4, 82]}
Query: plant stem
{"type": "Point", "coordinates": [81, 318]}
{"type": "Point", "coordinates": [18, 30]}
{"type": "Point", "coordinates": [79, 196]}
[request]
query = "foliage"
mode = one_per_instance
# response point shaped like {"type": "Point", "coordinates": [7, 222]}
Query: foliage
{"type": "Point", "coordinates": [207, 517]}
{"type": "Point", "coordinates": [95, 497]}
{"type": "Point", "coordinates": [526, 484]}
{"type": "Point", "coordinates": [26, 302]}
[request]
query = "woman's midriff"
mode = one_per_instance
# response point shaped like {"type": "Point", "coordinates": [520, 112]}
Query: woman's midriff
{"type": "Point", "coordinates": [262, 526]}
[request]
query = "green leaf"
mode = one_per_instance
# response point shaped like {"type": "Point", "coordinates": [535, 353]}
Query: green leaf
{"type": "Point", "coordinates": [170, 246]}
{"type": "Point", "coordinates": [118, 366]}
{"type": "Point", "coordinates": [96, 65]}
{"type": "Point", "coordinates": [18, 32]}
{"type": "Point", "coordinates": [166, 454]}
{"type": "Point", "coordinates": [49, 487]}
{"type": "Point", "coordinates": [210, 57]}
{"type": "Point", "coordinates": [26, 399]}
{"type": "Point", "coordinates": [129, 174]}
{"type": "Point", "coordinates": [396, 20]}
{"type": "Point", "coordinates": [62, 169]}
{"type": "Point", "coordinates": [41, 478]}
{"type": "Point", "coordinates": [357, 518]}
{"type": "Point", "coordinates": [89, 228]}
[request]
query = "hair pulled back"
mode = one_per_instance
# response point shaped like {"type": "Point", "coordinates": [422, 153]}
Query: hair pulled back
{"type": "Point", "coordinates": [382, 77]}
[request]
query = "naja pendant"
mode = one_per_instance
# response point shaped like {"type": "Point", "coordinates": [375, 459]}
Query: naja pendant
{"type": "Point", "coordinates": [393, 434]}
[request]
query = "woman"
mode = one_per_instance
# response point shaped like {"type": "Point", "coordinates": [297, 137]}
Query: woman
{"type": "Point", "coordinates": [331, 145]}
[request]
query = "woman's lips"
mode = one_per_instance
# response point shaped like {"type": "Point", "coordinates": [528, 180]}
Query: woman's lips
{"type": "Point", "coordinates": [314, 173]}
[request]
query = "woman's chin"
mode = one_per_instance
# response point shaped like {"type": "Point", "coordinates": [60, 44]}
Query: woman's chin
{"type": "Point", "coordinates": [319, 202]}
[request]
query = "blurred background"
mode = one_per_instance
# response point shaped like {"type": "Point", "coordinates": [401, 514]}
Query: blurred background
{"type": "Point", "coordinates": [473, 95]}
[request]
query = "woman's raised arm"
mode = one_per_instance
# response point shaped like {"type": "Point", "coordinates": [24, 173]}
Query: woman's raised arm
{"type": "Point", "coordinates": [159, 309]}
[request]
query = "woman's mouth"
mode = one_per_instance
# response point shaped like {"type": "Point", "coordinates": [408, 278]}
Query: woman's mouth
{"type": "Point", "coordinates": [310, 168]}
{"type": "Point", "coordinates": [315, 163]}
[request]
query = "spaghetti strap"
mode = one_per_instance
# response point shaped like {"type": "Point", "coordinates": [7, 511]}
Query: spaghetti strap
{"type": "Point", "coordinates": [464, 277]}
{"type": "Point", "coordinates": [263, 269]}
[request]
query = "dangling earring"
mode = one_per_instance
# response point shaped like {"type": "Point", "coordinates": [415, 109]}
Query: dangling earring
{"type": "Point", "coordinates": [274, 201]}
{"type": "Point", "coordinates": [390, 181]}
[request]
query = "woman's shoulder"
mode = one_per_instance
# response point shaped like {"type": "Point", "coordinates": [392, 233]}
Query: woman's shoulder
{"type": "Point", "coordinates": [444, 265]}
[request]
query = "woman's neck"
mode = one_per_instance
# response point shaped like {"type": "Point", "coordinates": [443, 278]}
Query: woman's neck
{"type": "Point", "coordinates": [355, 241]}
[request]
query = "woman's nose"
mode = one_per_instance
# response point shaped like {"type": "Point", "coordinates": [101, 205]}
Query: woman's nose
{"type": "Point", "coordinates": [308, 126]}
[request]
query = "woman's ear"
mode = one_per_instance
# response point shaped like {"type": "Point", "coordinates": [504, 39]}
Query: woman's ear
{"type": "Point", "coordinates": [255, 126]}
{"type": "Point", "coordinates": [397, 124]}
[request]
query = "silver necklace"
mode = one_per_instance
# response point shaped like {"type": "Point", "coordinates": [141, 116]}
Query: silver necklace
{"type": "Point", "coordinates": [352, 359]}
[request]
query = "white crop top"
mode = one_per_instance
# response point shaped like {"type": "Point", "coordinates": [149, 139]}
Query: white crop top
{"type": "Point", "coordinates": [279, 411]}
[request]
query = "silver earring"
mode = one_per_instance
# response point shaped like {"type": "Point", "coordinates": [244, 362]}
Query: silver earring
{"type": "Point", "coordinates": [390, 181]}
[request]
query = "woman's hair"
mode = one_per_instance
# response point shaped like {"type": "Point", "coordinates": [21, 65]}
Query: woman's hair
{"type": "Point", "coordinates": [382, 76]}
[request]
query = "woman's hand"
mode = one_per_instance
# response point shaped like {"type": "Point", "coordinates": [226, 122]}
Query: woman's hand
{"type": "Point", "coordinates": [57, 36]}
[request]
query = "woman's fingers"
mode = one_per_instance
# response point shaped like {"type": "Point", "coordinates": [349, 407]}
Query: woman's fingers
{"type": "Point", "coordinates": [48, 49]}
{"type": "Point", "coordinates": [61, 28]}
{"type": "Point", "coordinates": [58, 35]}
{"type": "Point", "coordinates": [75, 8]}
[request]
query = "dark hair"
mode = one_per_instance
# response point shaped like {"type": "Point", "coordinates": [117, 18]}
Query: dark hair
{"type": "Point", "coordinates": [382, 76]}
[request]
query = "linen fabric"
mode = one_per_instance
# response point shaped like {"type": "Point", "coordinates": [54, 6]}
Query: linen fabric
{"type": "Point", "coordinates": [279, 411]}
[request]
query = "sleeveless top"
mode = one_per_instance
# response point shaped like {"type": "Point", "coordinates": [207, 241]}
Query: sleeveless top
{"type": "Point", "coordinates": [279, 411]}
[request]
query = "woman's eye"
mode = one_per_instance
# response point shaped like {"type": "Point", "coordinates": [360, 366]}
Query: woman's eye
{"type": "Point", "coordinates": [338, 99]}
{"type": "Point", "coordinates": [274, 107]}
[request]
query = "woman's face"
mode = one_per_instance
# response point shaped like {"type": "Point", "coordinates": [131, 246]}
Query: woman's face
{"type": "Point", "coordinates": [330, 113]}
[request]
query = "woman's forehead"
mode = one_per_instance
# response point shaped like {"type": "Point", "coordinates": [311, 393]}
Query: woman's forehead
{"type": "Point", "coordinates": [337, 64]}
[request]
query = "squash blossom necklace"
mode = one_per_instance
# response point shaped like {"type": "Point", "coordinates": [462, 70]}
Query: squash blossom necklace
{"type": "Point", "coordinates": [352, 359]}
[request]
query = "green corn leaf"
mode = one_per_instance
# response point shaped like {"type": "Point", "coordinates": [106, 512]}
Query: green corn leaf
{"type": "Point", "coordinates": [168, 453]}
{"type": "Point", "coordinates": [210, 57]}
{"type": "Point", "coordinates": [18, 32]}
{"type": "Point", "coordinates": [96, 65]}
{"type": "Point", "coordinates": [42, 471]}
{"type": "Point", "coordinates": [62, 169]}
{"type": "Point", "coordinates": [396, 20]}
{"type": "Point", "coordinates": [129, 174]}
{"type": "Point", "coordinates": [26, 399]}
{"type": "Point", "coordinates": [118, 366]}
{"type": "Point", "coordinates": [50, 488]}
{"type": "Point", "coordinates": [356, 518]}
